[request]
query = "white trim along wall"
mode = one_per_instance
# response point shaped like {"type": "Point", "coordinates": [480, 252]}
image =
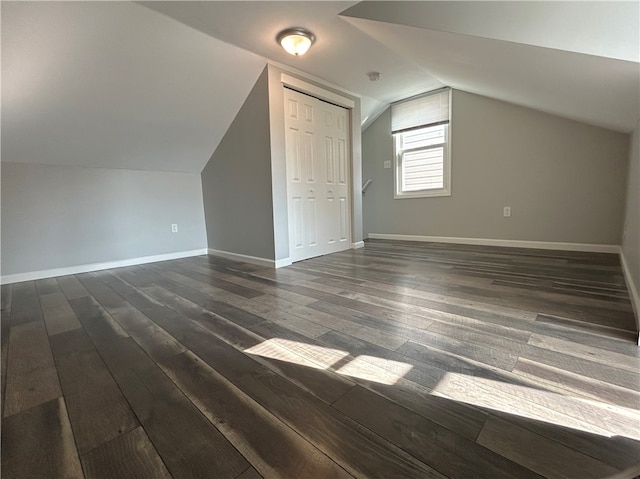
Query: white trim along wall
{"type": "Point", "coordinates": [592, 248]}
{"type": "Point", "coordinates": [250, 259]}
{"type": "Point", "coordinates": [279, 263]}
{"type": "Point", "coordinates": [87, 268]}
{"type": "Point", "coordinates": [634, 296]}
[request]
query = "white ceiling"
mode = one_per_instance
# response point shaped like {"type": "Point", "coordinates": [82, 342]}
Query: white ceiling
{"type": "Point", "coordinates": [342, 55]}
{"type": "Point", "coordinates": [573, 59]}
{"type": "Point", "coordinates": [115, 85]}
{"type": "Point", "coordinates": [577, 59]}
{"type": "Point", "coordinates": [597, 90]}
{"type": "Point", "coordinates": [602, 28]}
{"type": "Point", "coordinates": [119, 85]}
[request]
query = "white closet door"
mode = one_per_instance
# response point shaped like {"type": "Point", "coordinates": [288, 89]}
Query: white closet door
{"type": "Point", "coordinates": [317, 155]}
{"type": "Point", "coordinates": [332, 129]}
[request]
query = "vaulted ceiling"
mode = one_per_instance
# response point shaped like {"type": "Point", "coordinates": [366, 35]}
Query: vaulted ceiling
{"type": "Point", "coordinates": [115, 85]}
{"type": "Point", "coordinates": [155, 85]}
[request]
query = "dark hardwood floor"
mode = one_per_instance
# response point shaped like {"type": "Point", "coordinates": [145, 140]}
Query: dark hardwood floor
{"type": "Point", "coordinates": [398, 360]}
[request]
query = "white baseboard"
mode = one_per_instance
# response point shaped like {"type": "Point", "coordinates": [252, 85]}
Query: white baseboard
{"type": "Point", "coordinates": [251, 259]}
{"type": "Point", "coordinates": [281, 263]}
{"type": "Point", "coordinates": [357, 244]}
{"type": "Point", "coordinates": [591, 248]}
{"type": "Point", "coordinates": [633, 291]}
{"type": "Point", "coordinates": [87, 268]}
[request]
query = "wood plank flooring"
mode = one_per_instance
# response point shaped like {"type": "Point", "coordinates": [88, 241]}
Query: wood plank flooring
{"type": "Point", "coordinates": [397, 360]}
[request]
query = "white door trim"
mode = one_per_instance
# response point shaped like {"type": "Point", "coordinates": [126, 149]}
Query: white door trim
{"type": "Point", "coordinates": [316, 91]}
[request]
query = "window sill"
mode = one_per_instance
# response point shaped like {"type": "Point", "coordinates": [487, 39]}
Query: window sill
{"type": "Point", "coordinates": [421, 194]}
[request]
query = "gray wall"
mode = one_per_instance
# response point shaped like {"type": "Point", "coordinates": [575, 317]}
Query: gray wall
{"type": "Point", "coordinates": [279, 166]}
{"type": "Point", "coordinates": [564, 180]}
{"type": "Point", "coordinates": [631, 238]}
{"type": "Point", "coordinates": [236, 183]}
{"type": "Point", "coordinates": [64, 216]}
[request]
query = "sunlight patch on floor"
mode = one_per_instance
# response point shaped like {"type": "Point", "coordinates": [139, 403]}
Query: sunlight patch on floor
{"type": "Point", "coordinates": [375, 369]}
{"type": "Point", "coordinates": [551, 407]}
{"type": "Point", "coordinates": [309, 355]}
{"type": "Point", "coordinates": [369, 368]}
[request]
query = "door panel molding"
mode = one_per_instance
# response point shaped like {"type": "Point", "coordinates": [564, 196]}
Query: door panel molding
{"type": "Point", "coordinates": [318, 176]}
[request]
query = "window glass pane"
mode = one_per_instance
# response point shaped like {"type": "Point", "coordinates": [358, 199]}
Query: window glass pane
{"type": "Point", "coordinates": [423, 169]}
{"type": "Point", "coordinates": [424, 137]}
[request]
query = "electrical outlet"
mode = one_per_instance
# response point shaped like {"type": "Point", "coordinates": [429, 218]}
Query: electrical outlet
{"type": "Point", "coordinates": [506, 211]}
{"type": "Point", "coordinates": [174, 228]}
{"type": "Point", "coordinates": [387, 164]}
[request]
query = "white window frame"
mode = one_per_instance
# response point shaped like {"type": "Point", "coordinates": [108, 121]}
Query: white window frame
{"type": "Point", "coordinates": [398, 153]}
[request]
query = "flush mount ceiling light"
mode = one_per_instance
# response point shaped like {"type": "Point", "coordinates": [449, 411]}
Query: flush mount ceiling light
{"type": "Point", "coordinates": [296, 41]}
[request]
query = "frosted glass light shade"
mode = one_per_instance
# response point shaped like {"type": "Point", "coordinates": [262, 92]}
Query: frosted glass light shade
{"type": "Point", "coordinates": [296, 41]}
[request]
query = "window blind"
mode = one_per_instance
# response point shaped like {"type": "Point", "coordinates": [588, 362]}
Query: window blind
{"type": "Point", "coordinates": [423, 169]}
{"type": "Point", "coordinates": [428, 110]}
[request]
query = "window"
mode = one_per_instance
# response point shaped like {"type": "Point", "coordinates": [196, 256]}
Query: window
{"type": "Point", "coordinates": [420, 128]}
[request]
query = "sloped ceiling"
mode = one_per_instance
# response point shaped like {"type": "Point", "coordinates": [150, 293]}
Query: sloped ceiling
{"type": "Point", "coordinates": [577, 59]}
{"type": "Point", "coordinates": [604, 28]}
{"type": "Point", "coordinates": [574, 59]}
{"type": "Point", "coordinates": [342, 55]}
{"type": "Point", "coordinates": [155, 85]}
{"type": "Point", "coordinates": [115, 85]}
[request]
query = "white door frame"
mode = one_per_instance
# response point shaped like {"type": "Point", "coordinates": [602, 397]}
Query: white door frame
{"type": "Point", "coordinates": [337, 99]}
{"type": "Point", "coordinates": [318, 92]}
